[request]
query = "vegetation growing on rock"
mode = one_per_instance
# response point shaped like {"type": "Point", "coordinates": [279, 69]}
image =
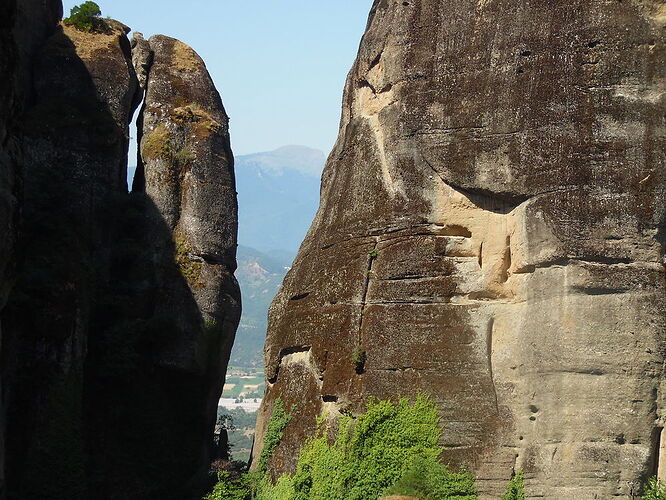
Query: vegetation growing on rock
{"type": "Point", "coordinates": [85, 16]}
{"type": "Point", "coordinates": [190, 269]}
{"type": "Point", "coordinates": [359, 357]}
{"type": "Point", "coordinates": [156, 144]}
{"type": "Point", "coordinates": [279, 420]}
{"type": "Point", "coordinates": [516, 489]}
{"type": "Point", "coordinates": [655, 490]}
{"type": "Point", "coordinates": [390, 449]}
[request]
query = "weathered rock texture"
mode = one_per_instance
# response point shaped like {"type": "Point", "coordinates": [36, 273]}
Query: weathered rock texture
{"type": "Point", "coordinates": [186, 171]}
{"type": "Point", "coordinates": [491, 232]}
{"type": "Point", "coordinates": [117, 332]}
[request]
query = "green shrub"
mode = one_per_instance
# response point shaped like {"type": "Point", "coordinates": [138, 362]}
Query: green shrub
{"type": "Point", "coordinates": [387, 446]}
{"type": "Point", "coordinates": [390, 449]}
{"type": "Point", "coordinates": [655, 490]}
{"type": "Point", "coordinates": [428, 479]}
{"type": "Point", "coordinates": [279, 420]}
{"type": "Point", "coordinates": [516, 489]}
{"type": "Point", "coordinates": [84, 17]}
{"type": "Point", "coordinates": [228, 488]}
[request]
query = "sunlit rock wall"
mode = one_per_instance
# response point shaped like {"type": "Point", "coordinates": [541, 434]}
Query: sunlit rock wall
{"type": "Point", "coordinates": [491, 233]}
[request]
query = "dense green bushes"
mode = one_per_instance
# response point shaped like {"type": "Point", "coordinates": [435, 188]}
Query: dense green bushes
{"type": "Point", "coordinates": [392, 448]}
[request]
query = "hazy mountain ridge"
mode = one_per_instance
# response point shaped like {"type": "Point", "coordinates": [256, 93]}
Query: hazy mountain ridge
{"type": "Point", "coordinates": [278, 196]}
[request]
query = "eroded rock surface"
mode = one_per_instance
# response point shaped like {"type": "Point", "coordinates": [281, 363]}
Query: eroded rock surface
{"type": "Point", "coordinates": [74, 144]}
{"type": "Point", "coordinates": [491, 233]}
{"type": "Point", "coordinates": [117, 333]}
{"type": "Point", "coordinates": [186, 173]}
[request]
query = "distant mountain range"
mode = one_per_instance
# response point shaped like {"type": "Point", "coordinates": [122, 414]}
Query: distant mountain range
{"type": "Point", "coordinates": [278, 196]}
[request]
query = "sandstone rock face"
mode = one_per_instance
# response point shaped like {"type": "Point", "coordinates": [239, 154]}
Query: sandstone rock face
{"type": "Point", "coordinates": [491, 232]}
{"type": "Point", "coordinates": [24, 26]}
{"type": "Point", "coordinates": [142, 58]}
{"type": "Point", "coordinates": [117, 333]}
{"type": "Point", "coordinates": [186, 173]}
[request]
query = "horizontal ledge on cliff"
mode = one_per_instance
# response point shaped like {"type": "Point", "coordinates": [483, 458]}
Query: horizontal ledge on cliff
{"type": "Point", "coordinates": [605, 261]}
{"type": "Point", "coordinates": [592, 290]}
{"type": "Point", "coordinates": [397, 369]}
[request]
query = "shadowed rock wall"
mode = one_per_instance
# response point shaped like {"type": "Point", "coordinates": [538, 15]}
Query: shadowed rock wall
{"type": "Point", "coordinates": [117, 333]}
{"type": "Point", "coordinates": [23, 28]}
{"type": "Point", "coordinates": [491, 232]}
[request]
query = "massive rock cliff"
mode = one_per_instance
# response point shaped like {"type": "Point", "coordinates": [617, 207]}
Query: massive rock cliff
{"type": "Point", "coordinates": [118, 328]}
{"type": "Point", "coordinates": [491, 233]}
{"type": "Point", "coordinates": [23, 28]}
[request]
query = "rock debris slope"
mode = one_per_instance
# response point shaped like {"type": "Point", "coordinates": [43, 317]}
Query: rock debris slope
{"type": "Point", "coordinates": [121, 308]}
{"type": "Point", "coordinates": [491, 232]}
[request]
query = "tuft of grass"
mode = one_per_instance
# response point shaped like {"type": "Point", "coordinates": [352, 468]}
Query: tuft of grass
{"type": "Point", "coordinates": [156, 144]}
{"type": "Point", "coordinates": [359, 357]}
{"type": "Point", "coordinates": [654, 490]}
{"type": "Point", "coordinates": [190, 269]}
{"type": "Point", "coordinates": [516, 488]}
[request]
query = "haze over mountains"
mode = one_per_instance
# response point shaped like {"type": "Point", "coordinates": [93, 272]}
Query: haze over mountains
{"type": "Point", "coordinates": [278, 195]}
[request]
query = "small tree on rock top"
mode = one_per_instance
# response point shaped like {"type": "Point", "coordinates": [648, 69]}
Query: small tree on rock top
{"type": "Point", "coordinates": [84, 16]}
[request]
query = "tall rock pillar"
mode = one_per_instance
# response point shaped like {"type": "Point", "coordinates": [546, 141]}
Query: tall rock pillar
{"type": "Point", "coordinates": [491, 232]}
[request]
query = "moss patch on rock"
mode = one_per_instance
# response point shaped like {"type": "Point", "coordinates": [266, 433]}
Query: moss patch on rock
{"type": "Point", "coordinates": [184, 58]}
{"type": "Point", "coordinates": [201, 121]}
{"type": "Point", "coordinates": [189, 268]}
{"type": "Point", "coordinates": [157, 144]}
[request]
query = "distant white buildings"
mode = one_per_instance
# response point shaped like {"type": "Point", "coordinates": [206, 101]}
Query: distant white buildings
{"type": "Point", "coordinates": [250, 405]}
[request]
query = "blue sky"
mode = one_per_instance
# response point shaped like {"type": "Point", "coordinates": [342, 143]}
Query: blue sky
{"type": "Point", "coordinates": [279, 65]}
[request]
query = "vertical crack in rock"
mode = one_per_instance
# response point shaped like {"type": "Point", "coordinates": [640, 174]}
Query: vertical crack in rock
{"type": "Point", "coordinates": [372, 257]}
{"type": "Point", "coordinates": [659, 444]}
{"type": "Point", "coordinates": [489, 355]}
